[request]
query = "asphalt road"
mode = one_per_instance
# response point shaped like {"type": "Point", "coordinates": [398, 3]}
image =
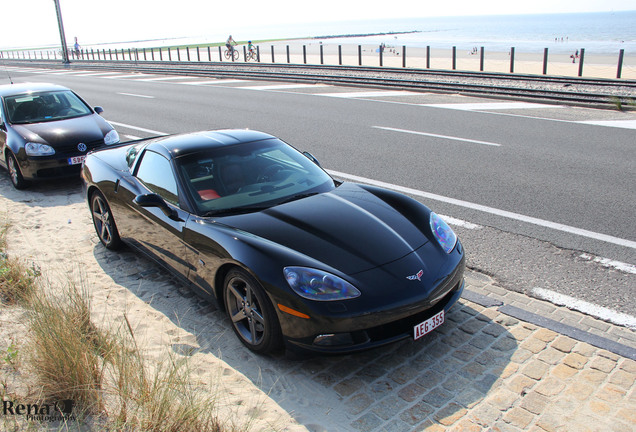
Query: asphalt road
{"type": "Point", "coordinates": [542, 200]}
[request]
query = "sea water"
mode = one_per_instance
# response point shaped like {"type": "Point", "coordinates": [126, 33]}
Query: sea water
{"type": "Point", "coordinates": [598, 33]}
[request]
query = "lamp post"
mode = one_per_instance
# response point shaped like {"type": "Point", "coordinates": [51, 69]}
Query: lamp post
{"type": "Point", "coordinates": [62, 36]}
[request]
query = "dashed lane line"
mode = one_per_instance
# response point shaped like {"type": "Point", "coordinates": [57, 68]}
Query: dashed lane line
{"type": "Point", "coordinates": [438, 136]}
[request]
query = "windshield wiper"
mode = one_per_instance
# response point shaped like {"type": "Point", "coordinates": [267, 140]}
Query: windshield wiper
{"type": "Point", "coordinates": [236, 210]}
{"type": "Point", "coordinates": [297, 197]}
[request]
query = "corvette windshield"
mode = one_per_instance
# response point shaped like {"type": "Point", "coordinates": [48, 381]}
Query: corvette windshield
{"type": "Point", "coordinates": [44, 106]}
{"type": "Point", "coordinates": [250, 176]}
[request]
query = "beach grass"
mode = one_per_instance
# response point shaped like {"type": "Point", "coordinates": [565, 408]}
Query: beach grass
{"type": "Point", "coordinates": [103, 372]}
{"type": "Point", "coordinates": [17, 280]}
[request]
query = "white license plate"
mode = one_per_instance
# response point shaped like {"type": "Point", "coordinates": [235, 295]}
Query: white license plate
{"type": "Point", "coordinates": [76, 160]}
{"type": "Point", "coordinates": [429, 325]}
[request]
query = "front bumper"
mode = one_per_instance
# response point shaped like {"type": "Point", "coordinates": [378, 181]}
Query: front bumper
{"type": "Point", "coordinates": [385, 319]}
{"type": "Point", "coordinates": [360, 340]}
{"type": "Point", "coordinates": [48, 168]}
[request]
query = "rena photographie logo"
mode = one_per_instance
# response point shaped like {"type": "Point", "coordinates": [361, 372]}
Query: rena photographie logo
{"type": "Point", "coordinates": [56, 411]}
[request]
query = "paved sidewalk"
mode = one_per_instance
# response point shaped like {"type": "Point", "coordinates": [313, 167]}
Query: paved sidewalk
{"type": "Point", "coordinates": [484, 369]}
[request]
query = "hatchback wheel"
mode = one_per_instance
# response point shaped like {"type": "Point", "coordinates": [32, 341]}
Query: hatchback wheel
{"type": "Point", "coordinates": [14, 172]}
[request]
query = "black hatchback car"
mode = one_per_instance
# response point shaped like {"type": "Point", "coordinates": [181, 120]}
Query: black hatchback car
{"type": "Point", "coordinates": [46, 131]}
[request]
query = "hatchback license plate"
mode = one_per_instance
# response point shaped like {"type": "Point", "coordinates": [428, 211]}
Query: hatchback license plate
{"type": "Point", "coordinates": [429, 325]}
{"type": "Point", "coordinates": [76, 160]}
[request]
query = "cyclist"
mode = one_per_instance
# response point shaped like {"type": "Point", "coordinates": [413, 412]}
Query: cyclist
{"type": "Point", "coordinates": [229, 44]}
{"type": "Point", "coordinates": [250, 47]}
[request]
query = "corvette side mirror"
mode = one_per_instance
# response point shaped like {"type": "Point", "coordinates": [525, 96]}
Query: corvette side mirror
{"type": "Point", "coordinates": [312, 158]}
{"type": "Point", "coordinates": [154, 200]}
{"type": "Point", "coordinates": [99, 110]}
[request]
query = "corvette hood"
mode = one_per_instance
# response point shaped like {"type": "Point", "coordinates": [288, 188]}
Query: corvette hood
{"type": "Point", "coordinates": [348, 229]}
{"type": "Point", "coordinates": [84, 129]}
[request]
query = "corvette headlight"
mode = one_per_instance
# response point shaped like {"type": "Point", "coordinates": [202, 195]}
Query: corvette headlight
{"type": "Point", "coordinates": [37, 149]}
{"type": "Point", "coordinates": [111, 137]}
{"type": "Point", "coordinates": [444, 234]}
{"type": "Point", "coordinates": [319, 285]}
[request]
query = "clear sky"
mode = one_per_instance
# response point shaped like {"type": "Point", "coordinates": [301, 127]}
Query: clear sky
{"type": "Point", "coordinates": [33, 23]}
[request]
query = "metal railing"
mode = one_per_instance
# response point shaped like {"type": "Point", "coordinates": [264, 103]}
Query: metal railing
{"type": "Point", "coordinates": [368, 55]}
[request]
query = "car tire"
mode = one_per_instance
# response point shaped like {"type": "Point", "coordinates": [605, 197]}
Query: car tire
{"type": "Point", "coordinates": [15, 174]}
{"type": "Point", "coordinates": [251, 313]}
{"type": "Point", "coordinates": [104, 223]}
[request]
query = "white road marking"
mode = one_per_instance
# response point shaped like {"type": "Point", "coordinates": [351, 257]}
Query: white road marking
{"type": "Point", "coordinates": [132, 137]}
{"type": "Point", "coordinates": [285, 86]}
{"type": "Point", "coordinates": [606, 262]}
{"type": "Point", "coordinates": [67, 72]}
{"type": "Point", "coordinates": [95, 74]}
{"type": "Point", "coordinates": [503, 213]}
{"type": "Point", "coordinates": [167, 78]}
{"type": "Point", "coordinates": [491, 106]}
{"type": "Point", "coordinates": [136, 95]}
{"type": "Point", "coordinates": [627, 124]}
{"type": "Point", "coordinates": [123, 76]}
{"type": "Point", "coordinates": [215, 82]}
{"type": "Point", "coordinates": [438, 136]}
{"type": "Point", "coordinates": [368, 94]}
{"type": "Point", "coordinates": [459, 222]}
{"type": "Point", "coordinates": [601, 312]}
{"type": "Point", "coordinates": [137, 128]}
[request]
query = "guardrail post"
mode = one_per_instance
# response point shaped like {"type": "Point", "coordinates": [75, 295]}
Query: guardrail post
{"type": "Point", "coordinates": [209, 54]}
{"type": "Point", "coordinates": [321, 55]}
{"type": "Point", "coordinates": [160, 54]}
{"type": "Point", "coordinates": [129, 54]}
{"type": "Point", "coordinates": [454, 58]}
{"type": "Point", "coordinates": [428, 57]}
{"type": "Point", "coordinates": [198, 55]}
{"type": "Point", "coordinates": [359, 55]}
{"type": "Point", "coordinates": [273, 54]}
{"type": "Point", "coordinates": [220, 54]}
{"type": "Point", "coordinates": [581, 62]}
{"type": "Point", "coordinates": [512, 59]}
{"type": "Point", "coordinates": [481, 59]}
{"type": "Point", "coordinates": [381, 51]}
{"type": "Point", "coordinates": [258, 54]}
{"type": "Point", "coordinates": [621, 53]}
{"type": "Point", "coordinates": [340, 55]}
{"type": "Point", "coordinates": [188, 53]}
{"type": "Point", "coordinates": [169, 55]}
{"type": "Point", "coordinates": [545, 61]}
{"type": "Point", "coordinates": [403, 56]}
{"type": "Point", "coordinates": [288, 59]}
{"type": "Point", "coordinates": [178, 54]}
{"type": "Point", "coordinates": [244, 53]}
{"type": "Point", "coordinates": [116, 55]}
{"type": "Point", "coordinates": [304, 54]}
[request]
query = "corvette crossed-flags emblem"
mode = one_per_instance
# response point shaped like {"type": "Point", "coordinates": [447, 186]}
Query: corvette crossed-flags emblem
{"type": "Point", "coordinates": [417, 276]}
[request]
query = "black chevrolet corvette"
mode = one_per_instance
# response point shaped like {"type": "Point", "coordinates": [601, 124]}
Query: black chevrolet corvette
{"type": "Point", "coordinates": [295, 258]}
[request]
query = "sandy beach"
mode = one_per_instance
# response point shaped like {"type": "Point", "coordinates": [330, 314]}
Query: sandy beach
{"type": "Point", "coordinates": [596, 66]}
{"type": "Point", "coordinates": [336, 52]}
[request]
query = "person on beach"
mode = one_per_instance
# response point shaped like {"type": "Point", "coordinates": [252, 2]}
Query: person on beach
{"type": "Point", "coordinates": [230, 45]}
